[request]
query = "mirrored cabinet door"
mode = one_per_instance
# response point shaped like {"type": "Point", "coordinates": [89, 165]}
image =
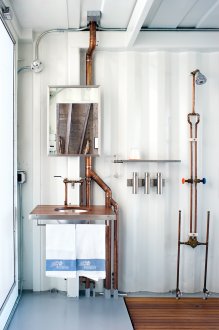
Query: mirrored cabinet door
{"type": "Point", "coordinates": [73, 120]}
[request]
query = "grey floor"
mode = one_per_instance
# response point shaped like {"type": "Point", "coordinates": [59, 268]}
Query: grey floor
{"type": "Point", "coordinates": [55, 311]}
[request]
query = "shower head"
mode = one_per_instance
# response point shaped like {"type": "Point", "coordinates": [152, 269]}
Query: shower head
{"type": "Point", "coordinates": [200, 79]}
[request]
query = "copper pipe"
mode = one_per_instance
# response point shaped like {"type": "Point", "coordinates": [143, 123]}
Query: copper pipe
{"type": "Point", "coordinates": [108, 256]}
{"type": "Point", "coordinates": [115, 245]}
{"type": "Point", "coordinates": [196, 170]}
{"type": "Point", "coordinates": [88, 166]}
{"type": "Point", "coordinates": [191, 155]}
{"type": "Point", "coordinates": [103, 185]}
{"type": "Point", "coordinates": [66, 181]}
{"type": "Point", "coordinates": [91, 175]}
{"type": "Point", "coordinates": [193, 90]}
{"type": "Point", "coordinates": [89, 53]}
{"type": "Point", "coordinates": [178, 257]}
{"type": "Point", "coordinates": [82, 193]}
{"type": "Point", "coordinates": [206, 253]}
{"type": "Point", "coordinates": [66, 193]}
{"type": "Point", "coordinates": [191, 174]}
{"type": "Point", "coordinates": [88, 160]}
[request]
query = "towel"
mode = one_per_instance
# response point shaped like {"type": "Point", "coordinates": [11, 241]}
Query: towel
{"type": "Point", "coordinates": [90, 251]}
{"type": "Point", "coordinates": [60, 251]}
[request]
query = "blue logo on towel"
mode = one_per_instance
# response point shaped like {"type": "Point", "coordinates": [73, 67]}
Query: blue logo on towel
{"type": "Point", "coordinates": [96, 265]}
{"type": "Point", "coordinates": [60, 265]}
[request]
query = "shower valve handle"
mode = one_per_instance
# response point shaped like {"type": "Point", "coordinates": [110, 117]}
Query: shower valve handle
{"type": "Point", "coordinates": [200, 180]}
{"type": "Point", "coordinates": [187, 180]}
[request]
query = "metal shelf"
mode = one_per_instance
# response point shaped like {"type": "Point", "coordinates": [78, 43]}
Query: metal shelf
{"type": "Point", "coordinates": [147, 161]}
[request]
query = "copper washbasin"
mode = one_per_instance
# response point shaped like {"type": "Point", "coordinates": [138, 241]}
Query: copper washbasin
{"type": "Point", "coordinates": [73, 209]}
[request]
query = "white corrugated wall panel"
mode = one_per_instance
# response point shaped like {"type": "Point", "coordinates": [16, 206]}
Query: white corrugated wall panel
{"type": "Point", "coordinates": [145, 101]}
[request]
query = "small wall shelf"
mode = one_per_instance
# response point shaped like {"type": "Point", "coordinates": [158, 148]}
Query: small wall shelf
{"type": "Point", "coordinates": [147, 161]}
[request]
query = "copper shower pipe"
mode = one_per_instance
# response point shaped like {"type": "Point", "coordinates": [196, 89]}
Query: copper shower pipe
{"type": "Point", "coordinates": [193, 180]}
{"type": "Point", "coordinates": [193, 90]}
{"type": "Point", "coordinates": [195, 146]}
{"type": "Point", "coordinates": [191, 176]}
{"type": "Point", "coordinates": [193, 160]}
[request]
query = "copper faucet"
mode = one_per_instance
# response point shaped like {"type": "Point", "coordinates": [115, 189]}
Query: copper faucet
{"type": "Point", "coordinates": [66, 181]}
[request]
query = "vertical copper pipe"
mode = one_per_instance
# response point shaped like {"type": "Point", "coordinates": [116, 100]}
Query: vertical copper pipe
{"type": "Point", "coordinates": [66, 194]}
{"type": "Point", "coordinates": [88, 166]}
{"type": "Point", "coordinates": [90, 174]}
{"type": "Point", "coordinates": [115, 245]}
{"type": "Point", "coordinates": [108, 256]}
{"type": "Point", "coordinates": [191, 177]}
{"type": "Point", "coordinates": [88, 160]}
{"type": "Point", "coordinates": [89, 54]}
{"type": "Point", "coordinates": [206, 253]}
{"type": "Point", "coordinates": [196, 170]}
{"type": "Point", "coordinates": [82, 193]}
{"type": "Point", "coordinates": [178, 256]}
{"type": "Point", "coordinates": [115, 253]}
{"type": "Point", "coordinates": [196, 177]}
{"type": "Point", "coordinates": [193, 90]}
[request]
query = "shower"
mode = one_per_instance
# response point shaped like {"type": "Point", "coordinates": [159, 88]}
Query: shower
{"type": "Point", "coordinates": [193, 119]}
{"type": "Point", "coordinates": [200, 79]}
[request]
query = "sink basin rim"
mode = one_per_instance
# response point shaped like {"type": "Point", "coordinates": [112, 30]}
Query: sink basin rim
{"type": "Point", "coordinates": [74, 209]}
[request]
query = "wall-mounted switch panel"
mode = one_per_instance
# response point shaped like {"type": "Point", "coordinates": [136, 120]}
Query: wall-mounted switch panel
{"type": "Point", "coordinates": [21, 176]}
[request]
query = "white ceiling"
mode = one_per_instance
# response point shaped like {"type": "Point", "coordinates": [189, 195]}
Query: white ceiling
{"type": "Point", "coordinates": [41, 15]}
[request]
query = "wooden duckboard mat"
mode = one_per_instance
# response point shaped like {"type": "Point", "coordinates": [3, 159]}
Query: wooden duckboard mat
{"type": "Point", "coordinates": [170, 313]}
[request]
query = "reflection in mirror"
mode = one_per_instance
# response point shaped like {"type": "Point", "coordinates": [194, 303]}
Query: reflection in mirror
{"type": "Point", "coordinates": [74, 120]}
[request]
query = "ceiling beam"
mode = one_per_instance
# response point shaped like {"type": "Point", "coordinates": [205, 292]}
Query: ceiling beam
{"type": "Point", "coordinates": [177, 41]}
{"type": "Point", "coordinates": [73, 13]}
{"type": "Point", "coordinates": [137, 19]}
{"type": "Point", "coordinates": [207, 14]}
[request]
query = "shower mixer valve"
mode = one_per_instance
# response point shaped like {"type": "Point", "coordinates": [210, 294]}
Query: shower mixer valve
{"type": "Point", "coordinates": [203, 180]}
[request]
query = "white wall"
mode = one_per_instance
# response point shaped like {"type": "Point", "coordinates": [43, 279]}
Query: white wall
{"type": "Point", "coordinates": [145, 100]}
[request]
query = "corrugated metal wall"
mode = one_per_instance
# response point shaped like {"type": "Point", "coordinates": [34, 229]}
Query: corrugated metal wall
{"type": "Point", "coordinates": [145, 101]}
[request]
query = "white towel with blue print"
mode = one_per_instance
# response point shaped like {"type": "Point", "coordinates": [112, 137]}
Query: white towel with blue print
{"type": "Point", "coordinates": [90, 251]}
{"type": "Point", "coordinates": [60, 251]}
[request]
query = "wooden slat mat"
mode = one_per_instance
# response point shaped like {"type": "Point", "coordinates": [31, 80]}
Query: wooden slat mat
{"type": "Point", "coordinates": [170, 313]}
